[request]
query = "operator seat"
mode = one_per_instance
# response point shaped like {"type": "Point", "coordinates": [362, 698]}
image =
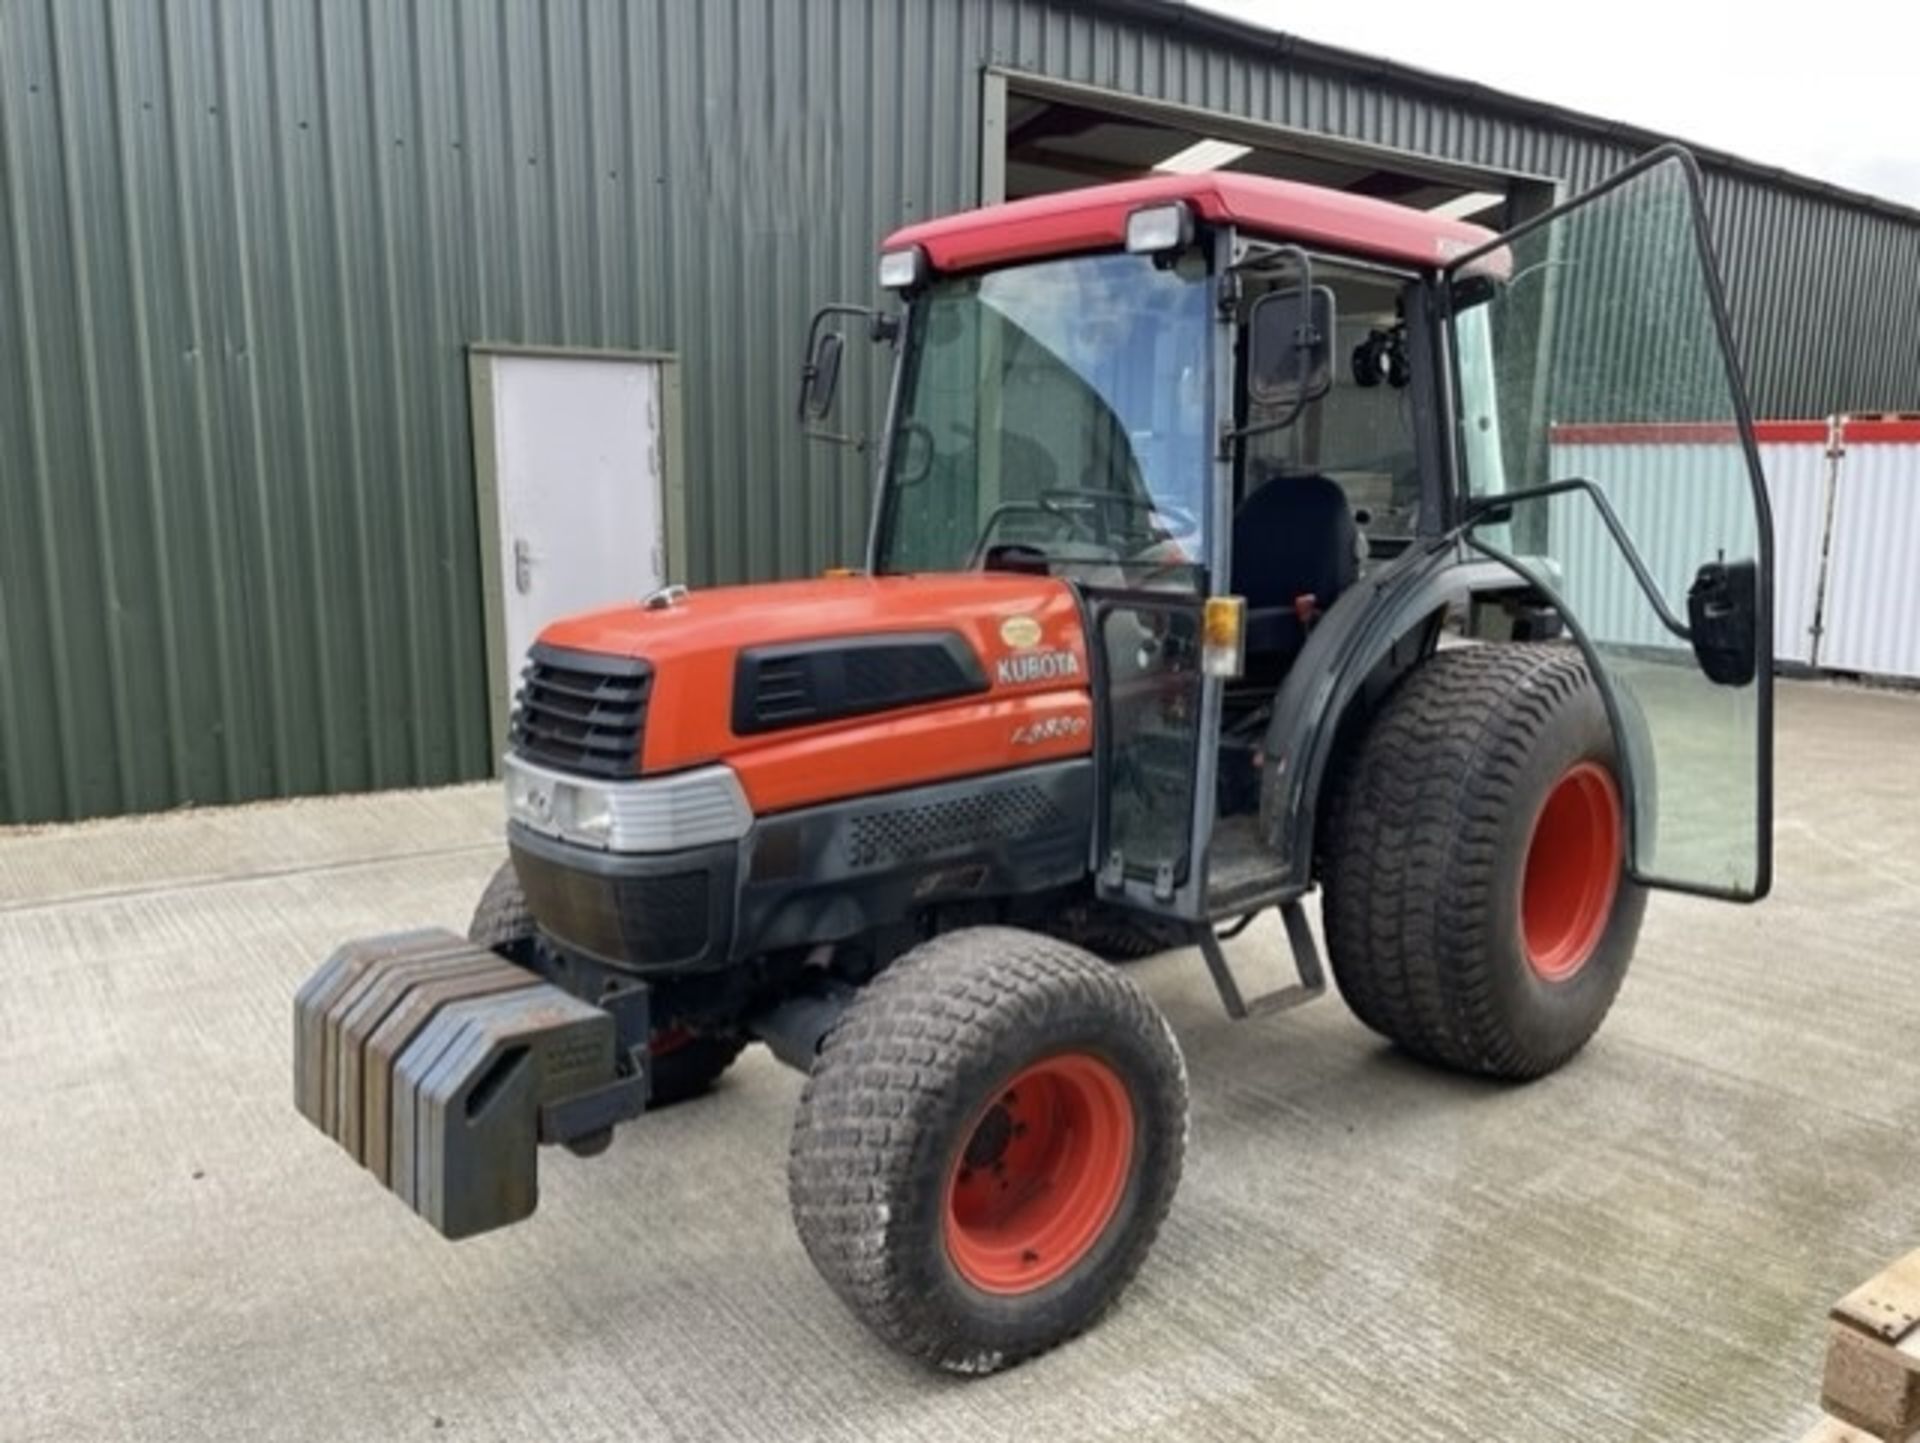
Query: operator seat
{"type": "Point", "coordinates": [1293, 538]}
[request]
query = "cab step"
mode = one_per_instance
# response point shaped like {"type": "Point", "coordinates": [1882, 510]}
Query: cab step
{"type": "Point", "coordinates": [440, 1068]}
{"type": "Point", "coordinates": [1306, 960]}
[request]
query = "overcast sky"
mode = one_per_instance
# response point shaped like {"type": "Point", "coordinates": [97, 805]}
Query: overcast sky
{"type": "Point", "coordinates": [1829, 89]}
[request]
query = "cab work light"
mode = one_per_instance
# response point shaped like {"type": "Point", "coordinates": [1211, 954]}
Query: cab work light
{"type": "Point", "coordinates": [1223, 647]}
{"type": "Point", "coordinates": [1156, 228]}
{"type": "Point", "coordinates": [902, 270]}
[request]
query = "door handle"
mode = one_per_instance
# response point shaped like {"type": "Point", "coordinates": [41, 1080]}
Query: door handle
{"type": "Point", "coordinates": [522, 566]}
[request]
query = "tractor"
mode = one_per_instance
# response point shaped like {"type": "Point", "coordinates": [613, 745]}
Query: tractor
{"type": "Point", "coordinates": [1232, 540]}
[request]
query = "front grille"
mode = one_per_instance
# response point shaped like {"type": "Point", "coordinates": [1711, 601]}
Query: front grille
{"type": "Point", "coordinates": [639, 921]}
{"type": "Point", "coordinates": [581, 712]}
{"type": "Point", "coordinates": [649, 913]}
{"type": "Point", "coordinates": [662, 918]}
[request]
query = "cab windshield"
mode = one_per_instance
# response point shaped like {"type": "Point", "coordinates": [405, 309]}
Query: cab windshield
{"type": "Point", "coordinates": [1055, 416]}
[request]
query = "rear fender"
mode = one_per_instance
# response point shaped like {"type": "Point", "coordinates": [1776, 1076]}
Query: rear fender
{"type": "Point", "coordinates": [1378, 630]}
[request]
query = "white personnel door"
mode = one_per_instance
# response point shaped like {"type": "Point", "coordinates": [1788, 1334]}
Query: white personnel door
{"type": "Point", "coordinates": [578, 475]}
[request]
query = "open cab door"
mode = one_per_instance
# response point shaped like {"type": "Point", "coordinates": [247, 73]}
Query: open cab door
{"type": "Point", "coordinates": [1607, 454]}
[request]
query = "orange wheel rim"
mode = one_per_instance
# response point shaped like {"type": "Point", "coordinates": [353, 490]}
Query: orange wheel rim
{"type": "Point", "coordinates": [1573, 871]}
{"type": "Point", "coordinates": [1040, 1174]}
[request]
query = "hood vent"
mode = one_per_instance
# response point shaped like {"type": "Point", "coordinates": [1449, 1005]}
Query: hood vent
{"type": "Point", "coordinates": [801, 683]}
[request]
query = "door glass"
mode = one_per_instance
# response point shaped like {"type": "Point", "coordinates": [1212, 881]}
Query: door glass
{"type": "Point", "coordinates": [1590, 349]}
{"type": "Point", "coordinates": [1152, 652]}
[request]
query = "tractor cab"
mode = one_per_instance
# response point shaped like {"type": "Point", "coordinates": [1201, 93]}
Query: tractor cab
{"type": "Point", "coordinates": [1275, 436]}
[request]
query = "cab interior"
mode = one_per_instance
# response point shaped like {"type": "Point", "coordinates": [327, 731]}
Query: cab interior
{"type": "Point", "coordinates": [1319, 500]}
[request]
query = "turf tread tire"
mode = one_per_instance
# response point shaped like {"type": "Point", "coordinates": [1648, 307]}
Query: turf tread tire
{"type": "Point", "coordinates": [1431, 812]}
{"type": "Point", "coordinates": [892, 1094]}
{"type": "Point", "coordinates": [501, 921]}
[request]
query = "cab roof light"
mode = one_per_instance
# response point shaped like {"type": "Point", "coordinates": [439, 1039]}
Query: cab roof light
{"type": "Point", "coordinates": [1156, 228]}
{"type": "Point", "coordinates": [905, 269]}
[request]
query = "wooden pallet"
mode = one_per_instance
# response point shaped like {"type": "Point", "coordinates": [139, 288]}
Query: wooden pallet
{"type": "Point", "coordinates": [1832, 1430]}
{"type": "Point", "coordinates": [1872, 1383]}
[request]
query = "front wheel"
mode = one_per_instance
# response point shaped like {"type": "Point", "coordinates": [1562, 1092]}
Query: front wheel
{"type": "Point", "coordinates": [1477, 909]}
{"type": "Point", "coordinates": [987, 1145]}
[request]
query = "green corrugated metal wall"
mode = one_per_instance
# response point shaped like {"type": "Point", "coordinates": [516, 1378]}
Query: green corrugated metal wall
{"type": "Point", "coordinates": [244, 244]}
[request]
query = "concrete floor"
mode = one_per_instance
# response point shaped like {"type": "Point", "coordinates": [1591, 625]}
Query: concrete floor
{"type": "Point", "coordinates": [1640, 1247]}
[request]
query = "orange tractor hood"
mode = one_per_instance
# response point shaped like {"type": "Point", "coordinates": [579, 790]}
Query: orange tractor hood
{"type": "Point", "coordinates": [1025, 632]}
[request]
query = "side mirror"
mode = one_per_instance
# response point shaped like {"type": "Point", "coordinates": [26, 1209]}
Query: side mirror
{"type": "Point", "coordinates": [1722, 614]}
{"type": "Point", "coordinates": [1290, 346]}
{"type": "Point", "coordinates": [820, 377]}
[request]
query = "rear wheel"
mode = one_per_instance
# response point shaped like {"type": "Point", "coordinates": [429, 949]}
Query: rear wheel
{"type": "Point", "coordinates": [1477, 908]}
{"type": "Point", "coordinates": [685, 1063]}
{"type": "Point", "coordinates": [987, 1145]}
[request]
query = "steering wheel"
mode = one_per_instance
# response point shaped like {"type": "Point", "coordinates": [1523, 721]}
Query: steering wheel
{"type": "Point", "coordinates": [1059, 499]}
{"type": "Point", "coordinates": [1041, 506]}
{"type": "Point", "coordinates": [919, 436]}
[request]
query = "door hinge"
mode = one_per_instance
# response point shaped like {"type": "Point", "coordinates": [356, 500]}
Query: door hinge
{"type": "Point", "coordinates": [1163, 885]}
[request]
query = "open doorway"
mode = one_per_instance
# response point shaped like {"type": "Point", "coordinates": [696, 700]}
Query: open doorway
{"type": "Point", "coordinates": [1043, 136]}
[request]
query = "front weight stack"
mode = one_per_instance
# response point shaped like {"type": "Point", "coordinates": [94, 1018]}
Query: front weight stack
{"type": "Point", "coordinates": [441, 1068]}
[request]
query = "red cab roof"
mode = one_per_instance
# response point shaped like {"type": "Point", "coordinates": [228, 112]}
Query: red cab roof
{"type": "Point", "coordinates": [1096, 218]}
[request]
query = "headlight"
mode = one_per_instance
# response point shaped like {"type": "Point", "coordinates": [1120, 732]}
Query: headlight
{"type": "Point", "coordinates": [587, 813]}
{"type": "Point", "coordinates": [530, 797]}
{"type": "Point", "coordinates": [903, 269]}
{"type": "Point", "coordinates": [653, 814]}
{"type": "Point", "coordinates": [1156, 228]}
